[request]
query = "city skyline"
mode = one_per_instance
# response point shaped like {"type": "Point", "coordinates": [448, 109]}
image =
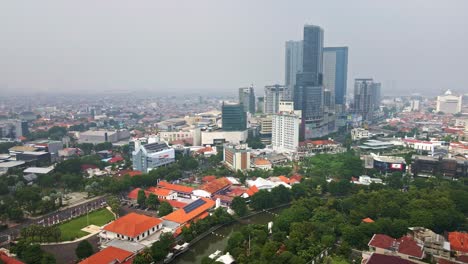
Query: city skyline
{"type": "Point", "coordinates": [141, 48]}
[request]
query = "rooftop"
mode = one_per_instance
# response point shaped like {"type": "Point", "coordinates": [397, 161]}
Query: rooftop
{"type": "Point", "coordinates": [108, 255]}
{"type": "Point", "coordinates": [386, 259]}
{"type": "Point", "coordinates": [38, 170]}
{"type": "Point", "coordinates": [190, 211]}
{"type": "Point", "coordinates": [215, 185]}
{"type": "Point", "coordinates": [175, 187]}
{"type": "Point", "coordinates": [132, 224]}
{"type": "Point", "coordinates": [458, 241]}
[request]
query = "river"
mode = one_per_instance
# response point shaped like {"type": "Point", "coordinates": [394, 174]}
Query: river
{"type": "Point", "coordinates": [211, 243]}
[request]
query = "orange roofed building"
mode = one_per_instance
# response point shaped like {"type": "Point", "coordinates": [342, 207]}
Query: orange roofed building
{"type": "Point", "coordinates": [458, 242]}
{"type": "Point", "coordinates": [181, 190]}
{"type": "Point", "coordinates": [212, 188]}
{"type": "Point", "coordinates": [110, 255]}
{"type": "Point", "coordinates": [191, 212]}
{"type": "Point", "coordinates": [131, 227]}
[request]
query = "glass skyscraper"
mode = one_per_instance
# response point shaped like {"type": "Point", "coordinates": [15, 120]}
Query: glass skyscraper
{"type": "Point", "coordinates": [234, 117]}
{"type": "Point", "coordinates": [335, 73]}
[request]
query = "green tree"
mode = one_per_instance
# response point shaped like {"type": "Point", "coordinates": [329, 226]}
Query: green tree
{"type": "Point", "coordinates": [141, 198]}
{"type": "Point", "coordinates": [152, 202]}
{"type": "Point", "coordinates": [263, 199]}
{"type": "Point", "coordinates": [114, 204]}
{"type": "Point", "coordinates": [164, 209]}
{"type": "Point", "coordinates": [239, 206]}
{"type": "Point", "coordinates": [84, 249]}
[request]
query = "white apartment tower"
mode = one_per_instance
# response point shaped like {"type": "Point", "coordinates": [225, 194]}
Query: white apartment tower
{"type": "Point", "coordinates": [285, 128]}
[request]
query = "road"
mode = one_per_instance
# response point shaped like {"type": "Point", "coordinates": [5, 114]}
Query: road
{"type": "Point", "coordinates": [57, 216]}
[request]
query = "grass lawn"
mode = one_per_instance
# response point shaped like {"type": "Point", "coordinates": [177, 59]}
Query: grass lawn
{"type": "Point", "coordinates": [72, 229]}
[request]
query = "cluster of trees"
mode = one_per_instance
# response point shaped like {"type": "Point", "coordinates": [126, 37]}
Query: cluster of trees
{"type": "Point", "coordinates": [38, 233]}
{"type": "Point", "coordinates": [88, 148]}
{"type": "Point", "coordinates": [264, 199]}
{"type": "Point", "coordinates": [219, 216]}
{"type": "Point", "coordinates": [341, 166]}
{"type": "Point", "coordinates": [313, 224]}
{"type": "Point", "coordinates": [157, 252]}
{"type": "Point", "coordinates": [84, 249]}
{"type": "Point", "coordinates": [32, 253]}
{"type": "Point", "coordinates": [255, 143]}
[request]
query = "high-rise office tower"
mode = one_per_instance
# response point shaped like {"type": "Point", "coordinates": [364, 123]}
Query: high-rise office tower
{"type": "Point", "coordinates": [273, 95]}
{"type": "Point", "coordinates": [308, 91]}
{"type": "Point", "coordinates": [293, 62]}
{"type": "Point", "coordinates": [260, 104]}
{"type": "Point", "coordinates": [366, 98]}
{"type": "Point", "coordinates": [247, 98]}
{"type": "Point", "coordinates": [233, 117]}
{"type": "Point", "coordinates": [335, 74]}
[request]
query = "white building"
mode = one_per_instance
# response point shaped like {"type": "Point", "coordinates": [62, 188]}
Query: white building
{"type": "Point", "coordinates": [359, 133]}
{"type": "Point", "coordinates": [101, 136]}
{"type": "Point", "coordinates": [192, 134]}
{"type": "Point", "coordinates": [153, 155]}
{"type": "Point", "coordinates": [285, 128]}
{"type": "Point", "coordinates": [220, 136]}
{"type": "Point", "coordinates": [237, 157]}
{"type": "Point", "coordinates": [449, 103]}
{"type": "Point", "coordinates": [131, 227]}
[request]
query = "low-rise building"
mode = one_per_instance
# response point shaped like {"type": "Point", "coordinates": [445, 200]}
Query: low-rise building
{"type": "Point", "coordinates": [434, 244]}
{"type": "Point", "coordinates": [131, 227]}
{"type": "Point", "coordinates": [150, 156]}
{"type": "Point", "coordinates": [366, 180]}
{"type": "Point", "coordinates": [211, 188]}
{"type": "Point", "coordinates": [110, 255]}
{"type": "Point", "coordinates": [181, 190]}
{"type": "Point", "coordinates": [319, 146]}
{"type": "Point", "coordinates": [388, 164]}
{"type": "Point", "coordinates": [262, 164]}
{"type": "Point", "coordinates": [404, 247]}
{"type": "Point", "coordinates": [194, 211]}
{"type": "Point", "coordinates": [101, 136]}
{"type": "Point", "coordinates": [219, 137]}
{"type": "Point", "coordinates": [359, 133]}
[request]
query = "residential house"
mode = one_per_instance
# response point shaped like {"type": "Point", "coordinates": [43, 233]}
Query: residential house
{"type": "Point", "coordinates": [209, 189]}
{"type": "Point", "coordinates": [110, 255]}
{"type": "Point", "coordinates": [181, 190]}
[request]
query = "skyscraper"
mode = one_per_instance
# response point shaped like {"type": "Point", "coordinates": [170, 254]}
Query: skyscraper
{"type": "Point", "coordinates": [293, 62]}
{"type": "Point", "coordinates": [233, 117]}
{"type": "Point", "coordinates": [308, 91]}
{"type": "Point", "coordinates": [335, 74]}
{"type": "Point", "coordinates": [273, 95]}
{"type": "Point", "coordinates": [366, 98]}
{"type": "Point", "coordinates": [247, 98]}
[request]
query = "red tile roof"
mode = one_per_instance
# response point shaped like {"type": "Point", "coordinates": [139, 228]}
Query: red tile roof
{"type": "Point", "coordinates": [261, 161]}
{"type": "Point", "coordinates": [458, 241]}
{"type": "Point", "coordinates": [252, 190]}
{"type": "Point", "coordinates": [317, 142]}
{"type": "Point", "coordinates": [410, 247]}
{"type": "Point", "coordinates": [216, 185]}
{"type": "Point", "coordinates": [223, 198]}
{"type": "Point", "coordinates": [9, 260]}
{"type": "Point", "coordinates": [160, 191]}
{"type": "Point", "coordinates": [130, 173]}
{"type": "Point", "coordinates": [175, 187]}
{"type": "Point", "coordinates": [174, 203]}
{"type": "Point", "coordinates": [116, 159]}
{"type": "Point", "coordinates": [132, 224]}
{"type": "Point", "coordinates": [284, 179]}
{"type": "Point", "coordinates": [381, 241]}
{"type": "Point", "coordinates": [404, 245]}
{"type": "Point", "coordinates": [108, 255]}
{"type": "Point", "coordinates": [134, 194]}
{"type": "Point", "coordinates": [386, 259]}
{"type": "Point", "coordinates": [367, 220]}
{"type": "Point", "coordinates": [209, 178]}
{"type": "Point", "coordinates": [181, 217]}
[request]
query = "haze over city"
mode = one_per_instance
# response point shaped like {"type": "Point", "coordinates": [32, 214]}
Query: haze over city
{"type": "Point", "coordinates": [175, 47]}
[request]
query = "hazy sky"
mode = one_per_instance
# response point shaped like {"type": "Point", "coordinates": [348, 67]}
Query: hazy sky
{"type": "Point", "coordinates": [218, 46]}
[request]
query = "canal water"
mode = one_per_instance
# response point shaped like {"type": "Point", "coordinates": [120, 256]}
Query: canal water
{"type": "Point", "coordinates": [211, 243]}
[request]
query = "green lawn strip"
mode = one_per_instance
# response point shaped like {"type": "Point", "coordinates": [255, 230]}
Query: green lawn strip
{"type": "Point", "coordinates": [72, 229]}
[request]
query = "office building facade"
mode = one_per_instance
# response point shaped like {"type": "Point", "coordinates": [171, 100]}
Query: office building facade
{"type": "Point", "coordinates": [234, 117]}
{"type": "Point", "coordinates": [366, 98]}
{"type": "Point", "coordinates": [293, 62]}
{"type": "Point", "coordinates": [273, 95]}
{"type": "Point", "coordinates": [247, 99]}
{"type": "Point", "coordinates": [237, 157]}
{"type": "Point", "coordinates": [335, 74]}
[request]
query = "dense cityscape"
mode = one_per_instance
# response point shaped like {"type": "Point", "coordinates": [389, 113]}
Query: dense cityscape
{"type": "Point", "coordinates": [304, 171]}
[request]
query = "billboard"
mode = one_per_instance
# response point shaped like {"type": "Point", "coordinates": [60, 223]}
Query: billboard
{"type": "Point", "coordinates": [396, 166]}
